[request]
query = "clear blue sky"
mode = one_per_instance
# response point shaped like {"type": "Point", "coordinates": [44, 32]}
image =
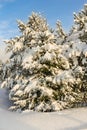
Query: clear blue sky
{"type": "Point", "coordinates": [53, 10]}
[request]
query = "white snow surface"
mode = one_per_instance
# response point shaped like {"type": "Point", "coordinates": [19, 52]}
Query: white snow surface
{"type": "Point", "coordinates": [71, 119]}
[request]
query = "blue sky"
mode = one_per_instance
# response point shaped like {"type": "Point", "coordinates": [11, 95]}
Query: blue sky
{"type": "Point", "coordinates": [53, 10]}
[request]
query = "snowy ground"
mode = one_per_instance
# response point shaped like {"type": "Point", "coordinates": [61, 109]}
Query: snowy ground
{"type": "Point", "coordinates": [73, 119]}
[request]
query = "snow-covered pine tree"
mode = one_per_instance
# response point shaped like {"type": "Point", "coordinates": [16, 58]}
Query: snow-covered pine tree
{"type": "Point", "coordinates": [34, 63]}
{"type": "Point", "coordinates": [76, 53]}
{"type": "Point", "coordinates": [82, 29]}
{"type": "Point", "coordinates": [60, 33]}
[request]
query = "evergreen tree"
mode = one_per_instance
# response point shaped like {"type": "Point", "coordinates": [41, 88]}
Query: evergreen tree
{"type": "Point", "coordinates": [33, 65]}
{"type": "Point", "coordinates": [77, 54]}
{"type": "Point", "coordinates": [60, 33]}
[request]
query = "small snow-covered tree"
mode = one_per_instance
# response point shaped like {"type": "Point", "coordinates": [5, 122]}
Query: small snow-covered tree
{"type": "Point", "coordinates": [60, 33]}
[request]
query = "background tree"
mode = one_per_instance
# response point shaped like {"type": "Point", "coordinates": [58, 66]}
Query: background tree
{"type": "Point", "coordinates": [77, 54]}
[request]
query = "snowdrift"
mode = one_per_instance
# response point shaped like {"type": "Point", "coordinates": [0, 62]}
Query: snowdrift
{"type": "Point", "coordinates": [72, 119]}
